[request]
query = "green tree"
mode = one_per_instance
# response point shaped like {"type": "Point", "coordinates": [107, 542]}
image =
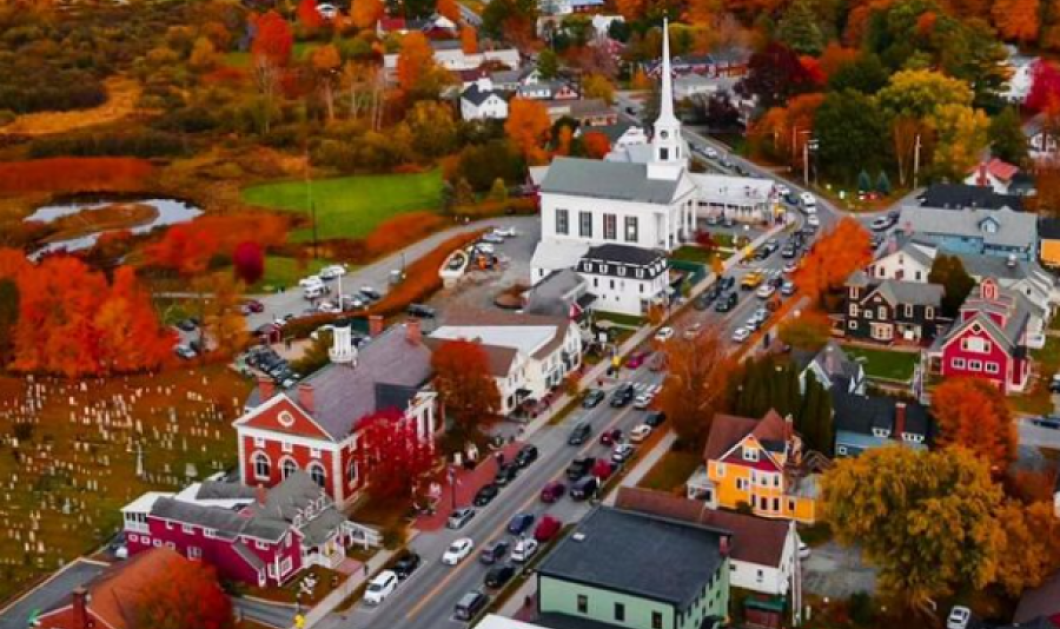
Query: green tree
{"type": "Point", "coordinates": [548, 64]}
{"type": "Point", "coordinates": [799, 29]}
{"type": "Point", "coordinates": [464, 194]}
{"type": "Point", "coordinates": [924, 519]}
{"type": "Point", "coordinates": [949, 272]}
{"type": "Point", "coordinates": [499, 191]}
{"type": "Point", "coordinates": [864, 181]}
{"type": "Point", "coordinates": [852, 134]}
{"type": "Point", "coordinates": [883, 183]}
{"type": "Point", "coordinates": [1007, 140]}
{"type": "Point", "coordinates": [866, 74]}
{"type": "Point", "coordinates": [814, 420]}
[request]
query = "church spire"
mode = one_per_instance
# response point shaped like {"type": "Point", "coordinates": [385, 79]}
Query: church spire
{"type": "Point", "coordinates": [666, 93]}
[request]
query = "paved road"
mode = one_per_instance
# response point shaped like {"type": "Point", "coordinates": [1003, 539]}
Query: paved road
{"type": "Point", "coordinates": [377, 274]}
{"type": "Point", "coordinates": [49, 594]}
{"type": "Point", "coordinates": [1037, 436]}
{"type": "Point", "coordinates": [272, 615]}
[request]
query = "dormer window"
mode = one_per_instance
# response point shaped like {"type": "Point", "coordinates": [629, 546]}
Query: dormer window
{"type": "Point", "coordinates": [750, 454]}
{"type": "Point", "coordinates": [882, 433]}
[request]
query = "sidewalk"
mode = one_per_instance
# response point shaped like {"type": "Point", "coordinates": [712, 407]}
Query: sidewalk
{"type": "Point", "coordinates": [468, 482]}
{"type": "Point", "coordinates": [643, 466]}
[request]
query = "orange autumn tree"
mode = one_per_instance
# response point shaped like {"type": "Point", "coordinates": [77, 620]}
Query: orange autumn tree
{"type": "Point", "coordinates": [466, 388]}
{"type": "Point", "coordinates": [188, 248]}
{"type": "Point", "coordinates": [73, 323]}
{"type": "Point", "coordinates": [528, 126]}
{"type": "Point", "coordinates": [416, 69]}
{"type": "Point", "coordinates": [365, 13]}
{"type": "Point", "coordinates": [596, 144]}
{"type": "Point", "coordinates": [1017, 19]}
{"type": "Point", "coordinates": [186, 594]}
{"type": "Point", "coordinates": [972, 413]}
{"type": "Point", "coordinates": [840, 252]}
{"type": "Point", "coordinates": [308, 14]}
{"type": "Point", "coordinates": [469, 40]}
{"type": "Point", "coordinates": [450, 10]}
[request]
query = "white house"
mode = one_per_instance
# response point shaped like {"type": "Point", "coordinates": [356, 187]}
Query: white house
{"type": "Point", "coordinates": [1021, 76]}
{"type": "Point", "coordinates": [649, 205]}
{"type": "Point", "coordinates": [625, 280]}
{"type": "Point", "coordinates": [529, 355]}
{"type": "Point", "coordinates": [449, 55]}
{"type": "Point", "coordinates": [743, 199]}
{"type": "Point", "coordinates": [481, 101]}
{"type": "Point", "coordinates": [995, 174]}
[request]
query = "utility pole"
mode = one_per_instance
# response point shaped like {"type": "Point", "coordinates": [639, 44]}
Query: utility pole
{"type": "Point", "coordinates": [309, 200]}
{"type": "Point", "coordinates": [806, 163]}
{"type": "Point", "coordinates": [916, 161]}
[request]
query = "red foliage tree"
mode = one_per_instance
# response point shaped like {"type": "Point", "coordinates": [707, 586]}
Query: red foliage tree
{"type": "Point", "coordinates": [466, 388]}
{"type": "Point", "coordinates": [188, 248]}
{"type": "Point", "coordinates": [187, 594]}
{"type": "Point", "coordinates": [840, 252]}
{"type": "Point", "coordinates": [248, 260]}
{"type": "Point", "coordinates": [596, 144]}
{"type": "Point", "coordinates": [74, 174]}
{"type": "Point", "coordinates": [973, 413]}
{"type": "Point", "coordinates": [272, 39]}
{"type": "Point", "coordinates": [1045, 88]}
{"type": "Point", "coordinates": [391, 454]}
{"type": "Point", "coordinates": [308, 15]}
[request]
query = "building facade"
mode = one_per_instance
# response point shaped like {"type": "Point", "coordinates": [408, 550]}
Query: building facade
{"type": "Point", "coordinates": [892, 310]}
{"type": "Point", "coordinates": [624, 279]}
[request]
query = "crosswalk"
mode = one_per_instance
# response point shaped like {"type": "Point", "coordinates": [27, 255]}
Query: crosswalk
{"type": "Point", "coordinates": [645, 388]}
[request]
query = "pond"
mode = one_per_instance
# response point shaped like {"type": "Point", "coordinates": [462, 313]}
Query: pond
{"type": "Point", "coordinates": [165, 212]}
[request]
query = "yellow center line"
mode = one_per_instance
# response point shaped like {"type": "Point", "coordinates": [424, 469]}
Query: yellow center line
{"type": "Point", "coordinates": [503, 526]}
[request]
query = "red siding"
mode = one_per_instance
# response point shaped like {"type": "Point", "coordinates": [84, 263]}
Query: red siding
{"type": "Point", "coordinates": [273, 448]}
{"type": "Point", "coordinates": [996, 355]}
{"type": "Point", "coordinates": [302, 425]}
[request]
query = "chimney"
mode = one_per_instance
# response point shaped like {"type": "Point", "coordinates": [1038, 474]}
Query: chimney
{"type": "Point", "coordinates": [267, 388]}
{"type": "Point", "coordinates": [261, 495]}
{"type": "Point", "coordinates": [80, 608]}
{"type": "Point", "coordinates": [375, 325]}
{"type": "Point", "coordinates": [899, 420]}
{"type": "Point", "coordinates": [413, 331]}
{"type": "Point", "coordinates": [723, 546]}
{"type": "Point", "coordinates": [305, 397]}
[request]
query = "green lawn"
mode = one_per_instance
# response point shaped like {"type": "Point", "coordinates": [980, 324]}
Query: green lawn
{"type": "Point", "coordinates": [285, 272]}
{"type": "Point", "coordinates": [885, 364]}
{"type": "Point", "coordinates": [351, 207]}
{"type": "Point", "coordinates": [242, 59]}
{"type": "Point", "coordinates": [672, 471]}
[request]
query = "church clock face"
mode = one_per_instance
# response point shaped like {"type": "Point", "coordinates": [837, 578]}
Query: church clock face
{"type": "Point", "coordinates": [663, 134]}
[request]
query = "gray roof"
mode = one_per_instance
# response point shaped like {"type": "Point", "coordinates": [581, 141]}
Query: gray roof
{"type": "Point", "coordinates": [477, 96]}
{"type": "Point", "coordinates": [607, 180]}
{"type": "Point", "coordinates": [1015, 229]}
{"type": "Point", "coordinates": [833, 361]}
{"type": "Point", "coordinates": [228, 523]}
{"type": "Point", "coordinates": [342, 394]}
{"type": "Point", "coordinates": [861, 413]}
{"type": "Point", "coordinates": [638, 554]}
{"type": "Point", "coordinates": [248, 555]}
{"type": "Point", "coordinates": [624, 254]}
{"type": "Point", "coordinates": [914, 293]}
{"type": "Point", "coordinates": [554, 295]}
{"type": "Point", "coordinates": [323, 527]}
{"type": "Point", "coordinates": [1012, 305]}
{"type": "Point", "coordinates": [219, 490]}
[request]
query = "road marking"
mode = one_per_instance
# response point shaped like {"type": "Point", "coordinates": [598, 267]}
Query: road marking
{"type": "Point", "coordinates": [504, 525]}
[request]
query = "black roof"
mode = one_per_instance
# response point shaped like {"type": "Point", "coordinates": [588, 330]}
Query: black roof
{"type": "Point", "coordinates": [478, 96]}
{"type": "Point", "coordinates": [638, 554]}
{"type": "Point", "coordinates": [623, 254]}
{"type": "Point", "coordinates": [1049, 228]}
{"type": "Point", "coordinates": [861, 413]}
{"type": "Point", "coordinates": [957, 196]}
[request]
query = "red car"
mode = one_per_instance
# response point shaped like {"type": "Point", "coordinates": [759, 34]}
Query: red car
{"type": "Point", "coordinates": [609, 437]}
{"type": "Point", "coordinates": [553, 491]}
{"type": "Point", "coordinates": [253, 305]}
{"type": "Point", "coordinates": [547, 528]}
{"type": "Point", "coordinates": [636, 359]}
{"type": "Point", "coordinates": [603, 469]}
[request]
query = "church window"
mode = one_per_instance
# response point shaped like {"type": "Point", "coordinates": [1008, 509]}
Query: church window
{"type": "Point", "coordinates": [562, 222]}
{"type": "Point", "coordinates": [289, 467]}
{"type": "Point", "coordinates": [585, 224]}
{"type": "Point", "coordinates": [610, 227]}
{"type": "Point", "coordinates": [316, 472]}
{"type": "Point", "coordinates": [262, 466]}
{"type": "Point", "coordinates": [631, 229]}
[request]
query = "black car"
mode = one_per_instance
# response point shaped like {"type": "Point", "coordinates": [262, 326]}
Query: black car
{"type": "Point", "coordinates": [592, 398]}
{"type": "Point", "coordinates": [655, 418]}
{"type": "Point", "coordinates": [521, 523]}
{"type": "Point", "coordinates": [506, 474]}
{"type": "Point", "coordinates": [580, 434]}
{"type": "Point", "coordinates": [494, 552]}
{"type": "Point", "coordinates": [726, 302]}
{"type": "Point", "coordinates": [580, 467]}
{"type": "Point", "coordinates": [406, 564]}
{"type": "Point", "coordinates": [707, 298]}
{"type": "Point", "coordinates": [486, 495]}
{"type": "Point", "coordinates": [1047, 422]}
{"type": "Point", "coordinates": [421, 311]}
{"type": "Point", "coordinates": [470, 605]}
{"type": "Point", "coordinates": [584, 488]}
{"type": "Point", "coordinates": [623, 395]}
{"type": "Point", "coordinates": [726, 282]}
{"type": "Point", "coordinates": [498, 576]}
{"type": "Point", "coordinates": [526, 455]}
{"type": "Point", "coordinates": [789, 252]}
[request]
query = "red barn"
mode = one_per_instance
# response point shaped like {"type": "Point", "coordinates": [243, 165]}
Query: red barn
{"type": "Point", "coordinates": [312, 426]}
{"type": "Point", "coordinates": [989, 339]}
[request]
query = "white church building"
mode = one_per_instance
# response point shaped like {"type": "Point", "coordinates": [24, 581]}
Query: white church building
{"type": "Point", "coordinates": [647, 202]}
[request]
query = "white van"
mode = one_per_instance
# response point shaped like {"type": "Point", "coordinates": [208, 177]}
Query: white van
{"type": "Point", "coordinates": [809, 203]}
{"type": "Point", "coordinates": [312, 292]}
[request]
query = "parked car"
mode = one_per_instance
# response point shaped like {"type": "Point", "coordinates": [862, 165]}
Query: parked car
{"type": "Point", "coordinates": [458, 551]}
{"type": "Point", "coordinates": [332, 271]}
{"type": "Point", "coordinates": [494, 552]}
{"type": "Point", "coordinates": [187, 325]}
{"type": "Point", "coordinates": [185, 352]}
{"type": "Point", "coordinates": [654, 419]}
{"type": "Point", "coordinates": [640, 433]}
{"type": "Point", "coordinates": [312, 280]}
{"type": "Point", "coordinates": [421, 311]}
{"type": "Point", "coordinates": [584, 488]}
{"type": "Point", "coordinates": [609, 437]}
{"type": "Point", "coordinates": [547, 528]}
{"type": "Point", "coordinates": [959, 617]}
{"type": "Point", "coordinates": [727, 302]}
{"type": "Point", "coordinates": [379, 588]}
{"type": "Point", "coordinates": [804, 550]}
{"type": "Point", "coordinates": [580, 467]}
{"type": "Point", "coordinates": [520, 523]}
{"type": "Point", "coordinates": [1052, 423]}
{"type": "Point", "coordinates": [643, 401]}
{"type": "Point", "coordinates": [486, 495]}
{"type": "Point", "coordinates": [622, 452]}
{"type": "Point", "coordinates": [252, 306]}
{"type": "Point", "coordinates": [553, 491]}
{"type": "Point", "coordinates": [524, 549]}
{"type": "Point", "coordinates": [710, 152]}
{"type": "Point", "coordinates": [787, 289]}
{"type": "Point", "coordinates": [881, 224]}
{"type": "Point", "coordinates": [813, 221]}
{"type": "Point", "coordinates": [664, 334]}
{"type": "Point", "coordinates": [406, 564]}
{"type": "Point", "coordinates": [370, 293]}
{"type": "Point", "coordinates": [506, 474]}
{"type": "Point", "coordinates": [460, 517]}
{"type": "Point", "coordinates": [741, 334]}
{"type": "Point", "coordinates": [752, 280]}
{"type": "Point", "coordinates": [580, 434]}
{"type": "Point", "coordinates": [592, 398]}
{"type": "Point", "coordinates": [470, 605]}
{"type": "Point", "coordinates": [692, 331]}
{"type": "Point", "coordinates": [525, 456]}
{"type": "Point", "coordinates": [636, 359]}
{"type": "Point", "coordinates": [808, 201]}
{"type": "Point", "coordinates": [493, 238]}
{"type": "Point", "coordinates": [1054, 383]}
{"type": "Point", "coordinates": [499, 576]}
{"type": "Point", "coordinates": [623, 395]}
{"type": "Point", "coordinates": [765, 291]}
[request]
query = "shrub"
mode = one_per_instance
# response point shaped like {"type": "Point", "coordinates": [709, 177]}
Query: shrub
{"type": "Point", "coordinates": [421, 277]}
{"type": "Point", "coordinates": [72, 174]}
{"type": "Point", "coordinates": [143, 144]}
{"type": "Point", "coordinates": [396, 232]}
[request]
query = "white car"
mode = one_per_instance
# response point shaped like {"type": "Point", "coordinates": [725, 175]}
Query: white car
{"type": "Point", "coordinates": [741, 334]}
{"type": "Point", "coordinates": [524, 549]}
{"type": "Point", "coordinates": [808, 201]}
{"type": "Point", "coordinates": [327, 11]}
{"type": "Point", "coordinates": [804, 550]}
{"type": "Point", "coordinates": [783, 190]}
{"type": "Point", "coordinates": [643, 401]}
{"type": "Point", "coordinates": [380, 587]}
{"type": "Point", "coordinates": [765, 291]}
{"type": "Point", "coordinates": [458, 551]}
{"type": "Point", "coordinates": [493, 237]}
{"type": "Point", "coordinates": [332, 271]}
{"type": "Point", "coordinates": [485, 248]}
{"type": "Point", "coordinates": [640, 433]}
{"type": "Point", "coordinates": [664, 334]}
{"type": "Point", "coordinates": [312, 280]}
{"type": "Point", "coordinates": [959, 617]}
{"type": "Point", "coordinates": [327, 307]}
{"type": "Point", "coordinates": [506, 232]}
{"type": "Point", "coordinates": [790, 267]}
{"type": "Point", "coordinates": [813, 221]}
{"type": "Point", "coordinates": [711, 152]}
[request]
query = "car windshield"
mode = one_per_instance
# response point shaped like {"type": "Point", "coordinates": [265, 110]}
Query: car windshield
{"type": "Point", "coordinates": [375, 587]}
{"type": "Point", "coordinates": [455, 547]}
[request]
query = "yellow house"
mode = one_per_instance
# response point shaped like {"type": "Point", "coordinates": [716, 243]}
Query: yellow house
{"type": "Point", "coordinates": [1049, 241]}
{"type": "Point", "coordinates": [750, 461]}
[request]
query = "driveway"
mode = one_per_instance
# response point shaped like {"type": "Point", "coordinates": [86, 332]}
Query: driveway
{"type": "Point", "coordinates": [1032, 436]}
{"type": "Point", "coordinates": [49, 594]}
{"type": "Point", "coordinates": [837, 572]}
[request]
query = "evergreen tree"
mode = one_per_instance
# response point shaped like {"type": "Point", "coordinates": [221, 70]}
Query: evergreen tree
{"type": "Point", "coordinates": [1007, 140]}
{"type": "Point", "coordinates": [883, 183]}
{"type": "Point", "coordinates": [548, 64]}
{"type": "Point", "coordinates": [799, 29]}
{"type": "Point", "coordinates": [864, 182]}
{"type": "Point", "coordinates": [948, 271]}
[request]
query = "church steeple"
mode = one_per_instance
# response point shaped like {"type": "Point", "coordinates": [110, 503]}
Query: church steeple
{"type": "Point", "coordinates": [667, 146]}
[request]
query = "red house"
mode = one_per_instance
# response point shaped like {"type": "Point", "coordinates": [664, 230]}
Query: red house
{"type": "Point", "coordinates": [312, 426]}
{"type": "Point", "coordinates": [256, 536]}
{"type": "Point", "coordinates": [988, 339]}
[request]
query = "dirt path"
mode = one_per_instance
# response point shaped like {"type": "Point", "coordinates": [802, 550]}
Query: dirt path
{"type": "Point", "coordinates": [123, 94]}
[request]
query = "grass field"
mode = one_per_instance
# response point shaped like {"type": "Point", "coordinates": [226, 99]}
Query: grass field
{"type": "Point", "coordinates": [66, 475]}
{"type": "Point", "coordinates": [885, 364]}
{"type": "Point", "coordinates": [285, 272]}
{"type": "Point", "coordinates": [351, 207]}
{"type": "Point", "coordinates": [672, 471]}
{"type": "Point", "coordinates": [242, 59]}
